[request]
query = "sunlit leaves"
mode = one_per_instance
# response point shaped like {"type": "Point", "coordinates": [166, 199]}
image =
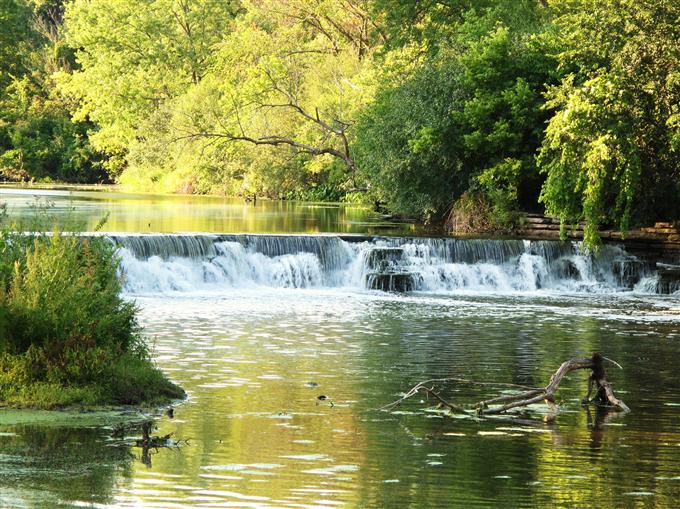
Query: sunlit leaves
{"type": "Point", "coordinates": [288, 70]}
{"type": "Point", "coordinates": [170, 83]}
{"type": "Point", "coordinates": [608, 152]}
{"type": "Point", "coordinates": [135, 56]}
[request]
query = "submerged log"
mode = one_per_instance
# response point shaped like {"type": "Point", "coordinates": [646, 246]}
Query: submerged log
{"type": "Point", "coordinates": [604, 395]}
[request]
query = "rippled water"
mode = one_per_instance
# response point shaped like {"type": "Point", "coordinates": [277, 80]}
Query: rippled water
{"type": "Point", "coordinates": [254, 362]}
{"type": "Point", "coordinates": [285, 383]}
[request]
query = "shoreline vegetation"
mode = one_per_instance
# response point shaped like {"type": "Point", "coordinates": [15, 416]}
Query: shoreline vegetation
{"type": "Point", "coordinates": [67, 336]}
{"type": "Point", "coordinates": [464, 113]}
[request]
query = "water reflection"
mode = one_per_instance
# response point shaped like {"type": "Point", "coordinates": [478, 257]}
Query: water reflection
{"type": "Point", "coordinates": [598, 419]}
{"type": "Point", "coordinates": [44, 466]}
{"type": "Point", "coordinates": [255, 363]}
{"type": "Point", "coordinates": [144, 213]}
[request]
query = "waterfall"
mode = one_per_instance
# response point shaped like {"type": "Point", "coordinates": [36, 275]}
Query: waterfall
{"type": "Point", "coordinates": [196, 263]}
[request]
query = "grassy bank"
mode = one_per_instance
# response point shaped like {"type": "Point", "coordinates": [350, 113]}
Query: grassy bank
{"type": "Point", "coordinates": [67, 337]}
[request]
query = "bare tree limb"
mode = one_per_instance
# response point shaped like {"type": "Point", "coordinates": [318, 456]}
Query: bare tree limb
{"type": "Point", "coordinates": [501, 404]}
{"type": "Point", "coordinates": [272, 140]}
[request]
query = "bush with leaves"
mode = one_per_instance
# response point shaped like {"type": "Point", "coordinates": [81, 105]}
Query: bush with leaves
{"type": "Point", "coordinates": [66, 333]}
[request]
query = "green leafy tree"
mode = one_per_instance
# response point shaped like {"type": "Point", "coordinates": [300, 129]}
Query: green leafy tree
{"type": "Point", "coordinates": [469, 117]}
{"type": "Point", "coordinates": [427, 23]}
{"type": "Point", "coordinates": [610, 152]}
{"type": "Point", "coordinates": [41, 141]}
{"type": "Point", "coordinates": [134, 57]}
{"type": "Point", "coordinates": [402, 146]}
{"type": "Point", "coordinates": [275, 113]}
{"type": "Point", "coordinates": [38, 139]}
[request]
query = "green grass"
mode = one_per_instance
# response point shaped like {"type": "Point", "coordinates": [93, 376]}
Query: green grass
{"type": "Point", "coordinates": [127, 381]}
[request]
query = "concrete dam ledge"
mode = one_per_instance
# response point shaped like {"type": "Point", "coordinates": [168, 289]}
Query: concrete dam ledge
{"type": "Point", "coordinates": [658, 243]}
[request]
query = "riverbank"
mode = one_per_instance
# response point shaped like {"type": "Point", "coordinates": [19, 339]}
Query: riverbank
{"type": "Point", "coordinates": [127, 381]}
{"type": "Point", "coordinates": [59, 186]}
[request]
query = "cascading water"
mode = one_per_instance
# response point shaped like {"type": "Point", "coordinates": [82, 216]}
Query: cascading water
{"type": "Point", "coordinates": [188, 263]}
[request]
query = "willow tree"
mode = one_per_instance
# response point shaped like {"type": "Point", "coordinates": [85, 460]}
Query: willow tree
{"type": "Point", "coordinates": [611, 148]}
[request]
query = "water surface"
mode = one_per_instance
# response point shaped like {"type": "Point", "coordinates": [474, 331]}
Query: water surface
{"type": "Point", "coordinates": [188, 213]}
{"type": "Point", "coordinates": [254, 363]}
{"type": "Point", "coordinates": [287, 358]}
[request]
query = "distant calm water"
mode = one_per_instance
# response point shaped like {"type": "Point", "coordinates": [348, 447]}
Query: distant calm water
{"type": "Point", "coordinates": [255, 355]}
{"type": "Point", "coordinates": [148, 213]}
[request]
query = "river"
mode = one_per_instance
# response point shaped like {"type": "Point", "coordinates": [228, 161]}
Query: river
{"type": "Point", "coordinates": [287, 355]}
{"type": "Point", "coordinates": [149, 213]}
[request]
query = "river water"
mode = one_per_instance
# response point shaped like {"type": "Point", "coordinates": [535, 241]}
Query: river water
{"type": "Point", "coordinates": [287, 356]}
{"type": "Point", "coordinates": [147, 213]}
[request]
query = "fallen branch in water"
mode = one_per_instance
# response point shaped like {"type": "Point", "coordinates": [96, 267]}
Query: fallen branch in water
{"type": "Point", "coordinates": [149, 441]}
{"type": "Point", "coordinates": [422, 387]}
{"type": "Point", "coordinates": [429, 391]}
{"type": "Point", "coordinates": [604, 394]}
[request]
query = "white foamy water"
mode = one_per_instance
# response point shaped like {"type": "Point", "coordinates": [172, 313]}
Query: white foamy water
{"type": "Point", "coordinates": [196, 263]}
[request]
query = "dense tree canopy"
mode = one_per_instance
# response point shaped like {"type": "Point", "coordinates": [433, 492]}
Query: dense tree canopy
{"type": "Point", "coordinates": [289, 81]}
{"type": "Point", "coordinates": [134, 58]}
{"type": "Point", "coordinates": [416, 106]}
{"type": "Point", "coordinates": [38, 139]}
{"type": "Point", "coordinates": [469, 117]}
{"type": "Point", "coordinates": [610, 151]}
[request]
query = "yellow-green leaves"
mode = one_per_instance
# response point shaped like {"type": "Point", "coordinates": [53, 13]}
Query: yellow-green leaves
{"type": "Point", "coordinates": [608, 153]}
{"type": "Point", "coordinates": [134, 57]}
{"type": "Point", "coordinates": [191, 91]}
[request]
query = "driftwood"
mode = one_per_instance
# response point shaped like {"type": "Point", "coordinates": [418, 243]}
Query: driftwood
{"type": "Point", "coordinates": [156, 442]}
{"type": "Point", "coordinates": [604, 395]}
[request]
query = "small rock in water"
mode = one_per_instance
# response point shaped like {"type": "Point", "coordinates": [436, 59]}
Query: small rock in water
{"type": "Point", "coordinates": [323, 397]}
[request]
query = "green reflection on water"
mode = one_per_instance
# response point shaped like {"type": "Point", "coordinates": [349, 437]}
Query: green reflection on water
{"type": "Point", "coordinates": [55, 466]}
{"type": "Point", "coordinates": [259, 437]}
{"type": "Point", "coordinates": [146, 213]}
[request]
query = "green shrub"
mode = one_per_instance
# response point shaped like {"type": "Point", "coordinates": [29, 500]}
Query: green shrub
{"type": "Point", "coordinates": [65, 330]}
{"type": "Point", "coordinates": [470, 214]}
{"type": "Point", "coordinates": [130, 381]}
{"type": "Point", "coordinates": [498, 186]}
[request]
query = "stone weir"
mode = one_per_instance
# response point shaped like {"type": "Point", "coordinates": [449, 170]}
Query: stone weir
{"type": "Point", "coordinates": [196, 262]}
{"type": "Point", "coordinates": [658, 243]}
